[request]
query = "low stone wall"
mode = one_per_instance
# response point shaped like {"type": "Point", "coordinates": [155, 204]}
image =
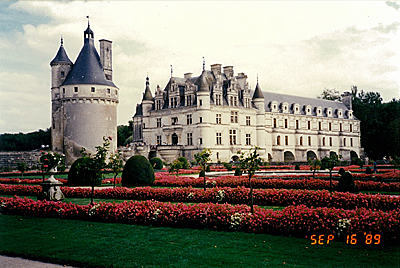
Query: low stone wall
{"type": "Point", "coordinates": [10, 159]}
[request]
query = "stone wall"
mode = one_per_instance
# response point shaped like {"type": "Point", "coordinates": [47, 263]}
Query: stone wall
{"type": "Point", "coordinates": [10, 159]}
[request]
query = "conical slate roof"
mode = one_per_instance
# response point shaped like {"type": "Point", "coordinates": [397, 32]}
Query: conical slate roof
{"type": "Point", "coordinates": [61, 56]}
{"type": "Point", "coordinates": [204, 81]}
{"type": "Point", "coordinates": [87, 68]}
{"type": "Point", "coordinates": [258, 93]}
{"type": "Point", "coordinates": [147, 93]}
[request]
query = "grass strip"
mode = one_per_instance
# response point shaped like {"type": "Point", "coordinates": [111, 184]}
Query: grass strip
{"type": "Point", "coordinates": [94, 244]}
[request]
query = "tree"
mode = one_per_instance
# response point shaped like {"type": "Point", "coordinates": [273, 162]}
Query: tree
{"type": "Point", "coordinates": [329, 163]}
{"type": "Point", "coordinates": [250, 162]}
{"type": "Point", "coordinates": [202, 159]}
{"type": "Point", "coordinates": [22, 167]}
{"type": "Point", "coordinates": [115, 163]}
{"type": "Point", "coordinates": [96, 164]}
{"type": "Point", "coordinates": [25, 142]}
{"type": "Point", "coordinates": [329, 94]}
{"type": "Point", "coordinates": [175, 166]}
{"type": "Point", "coordinates": [314, 164]}
{"type": "Point", "coordinates": [123, 133]}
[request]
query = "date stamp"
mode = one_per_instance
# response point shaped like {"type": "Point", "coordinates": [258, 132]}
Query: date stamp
{"type": "Point", "coordinates": [353, 239]}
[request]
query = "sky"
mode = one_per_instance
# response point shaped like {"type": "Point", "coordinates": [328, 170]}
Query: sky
{"type": "Point", "coordinates": [298, 48]}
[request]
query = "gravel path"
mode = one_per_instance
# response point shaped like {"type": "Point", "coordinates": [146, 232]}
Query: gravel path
{"type": "Point", "coordinates": [12, 262]}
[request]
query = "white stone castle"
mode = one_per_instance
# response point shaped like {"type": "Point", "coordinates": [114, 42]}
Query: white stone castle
{"type": "Point", "coordinates": [219, 111]}
{"type": "Point", "coordinates": [84, 99]}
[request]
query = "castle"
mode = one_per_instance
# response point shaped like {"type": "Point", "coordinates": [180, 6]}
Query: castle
{"type": "Point", "coordinates": [219, 111]}
{"type": "Point", "coordinates": [84, 99]}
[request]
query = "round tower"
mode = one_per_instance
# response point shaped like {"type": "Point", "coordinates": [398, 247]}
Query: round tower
{"type": "Point", "coordinates": [88, 103]}
{"type": "Point", "coordinates": [258, 100]}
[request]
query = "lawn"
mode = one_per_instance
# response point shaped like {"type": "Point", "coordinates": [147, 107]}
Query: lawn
{"type": "Point", "coordinates": [94, 244]}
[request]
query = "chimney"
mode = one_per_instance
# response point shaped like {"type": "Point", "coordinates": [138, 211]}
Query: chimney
{"type": "Point", "coordinates": [216, 69]}
{"type": "Point", "coordinates": [187, 76]}
{"type": "Point", "coordinates": [106, 57]}
{"type": "Point", "coordinates": [228, 71]}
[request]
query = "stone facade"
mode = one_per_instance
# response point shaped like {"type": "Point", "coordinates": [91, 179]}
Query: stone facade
{"type": "Point", "coordinates": [219, 111]}
{"type": "Point", "coordinates": [84, 99]}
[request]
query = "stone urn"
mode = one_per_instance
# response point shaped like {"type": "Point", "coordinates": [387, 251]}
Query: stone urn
{"type": "Point", "coordinates": [51, 188]}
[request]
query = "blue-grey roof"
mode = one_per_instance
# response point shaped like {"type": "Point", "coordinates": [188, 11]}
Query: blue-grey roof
{"type": "Point", "coordinates": [147, 93]}
{"type": "Point", "coordinates": [87, 68]}
{"type": "Point", "coordinates": [61, 56]}
{"type": "Point", "coordinates": [290, 99]}
{"type": "Point", "coordinates": [258, 93]}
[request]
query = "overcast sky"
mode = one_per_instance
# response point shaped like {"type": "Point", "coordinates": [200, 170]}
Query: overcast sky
{"type": "Point", "coordinates": [296, 48]}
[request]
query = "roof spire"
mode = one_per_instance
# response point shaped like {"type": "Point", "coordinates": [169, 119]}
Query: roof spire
{"type": "Point", "coordinates": [88, 33]}
{"type": "Point", "coordinates": [88, 23]}
{"type": "Point", "coordinates": [171, 70]}
{"type": "Point", "coordinates": [204, 63]}
{"type": "Point", "coordinates": [257, 78]}
{"type": "Point", "coordinates": [62, 40]}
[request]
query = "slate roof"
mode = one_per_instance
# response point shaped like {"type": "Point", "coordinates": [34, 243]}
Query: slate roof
{"type": "Point", "coordinates": [290, 99]}
{"type": "Point", "coordinates": [61, 56]}
{"type": "Point", "coordinates": [258, 94]}
{"type": "Point", "coordinates": [147, 93]}
{"type": "Point", "coordinates": [87, 68]}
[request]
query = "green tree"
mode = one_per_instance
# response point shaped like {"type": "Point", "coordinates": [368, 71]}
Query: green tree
{"type": "Point", "coordinates": [25, 142]}
{"type": "Point", "coordinates": [329, 94]}
{"type": "Point", "coordinates": [123, 133]}
{"type": "Point", "coordinates": [22, 167]}
{"type": "Point", "coordinates": [201, 159]}
{"type": "Point", "coordinates": [95, 165]}
{"type": "Point", "coordinates": [115, 164]}
{"type": "Point", "coordinates": [329, 163]}
{"type": "Point", "coordinates": [175, 166]}
{"type": "Point", "coordinates": [314, 164]}
{"type": "Point", "coordinates": [250, 162]}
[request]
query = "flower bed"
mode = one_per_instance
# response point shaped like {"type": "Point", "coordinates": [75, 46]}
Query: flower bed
{"type": "Point", "coordinates": [239, 195]}
{"type": "Point", "coordinates": [298, 221]}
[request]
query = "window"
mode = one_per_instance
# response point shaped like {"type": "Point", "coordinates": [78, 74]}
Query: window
{"type": "Point", "coordinates": [75, 89]}
{"type": "Point", "coordinates": [63, 89]}
{"type": "Point", "coordinates": [200, 141]}
{"type": "Point", "coordinates": [174, 120]}
{"type": "Point", "coordinates": [351, 142]}
{"type": "Point", "coordinates": [218, 119]}
{"type": "Point", "coordinates": [201, 119]}
{"type": "Point", "coordinates": [247, 120]}
{"type": "Point", "coordinates": [340, 126]}
{"type": "Point", "coordinates": [323, 141]}
{"type": "Point", "coordinates": [248, 139]}
{"type": "Point", "coordinates": [286, 140]}
{"type": "Point", "coordinates": [200, 102]}
{"type": "Point", "coordinates": [172, 102]}
{"type": "Point", "coordinates": [232, 136]}
{"type": "Point", "coordinates": [234, 117]}
{"type": "Point", "coordinates": [218, 99]}
{"type": "Point", "coordinates": [189, 139]}
{"type": "Point", "coordinates": [93, 89]}
{"type": "Point", "coordinates": [234, 101]}
{"type": "Point", "coordinates": [274, 122]}
{"type": "Point", "coordinates": [351, 128]}
{"type": "Point", "coordinates": [188, 100]}
{"type": "Point", "coordinates": [309, 141]}
{"type": "Point", "coordinates": [108, 90]}
{"type": "Point", "coordinates": [344, 141]}
{"type": "Point", "coordinates": [301, 141]}
{"type": "Point", "coordinates": [297, 124]}
{"type": "Point", "coordinates": [330, 126]}
{"type": "Point", "coordinates": [144, 125]}
{"type": "Point", "coordinates": [330, 141]}
{"type": "Point", "coordinates": [218, 138]}
{"type": "Point", "coordinates": [309, 124]}
{"type": "Point", "coordinates": [62, 74]}
{"type": "Point", "coordinates": [159, 140]}
{"type": "Point", "coordinates": [189, 119]}
{"type": "Point", "coordinates": [278, 140]}
{"type": "Point", "coordinates": [319, 126]}
{"type": "Point", "coordinates": [158, 122]}
{"type": "Point", "coordinates": [158, 105]}
{"type": "Point", "coordinates": [285, 123]}
{"type": "Point", "coordinates": [116, 92]}
{"type": "Point", "coordinates": [231, 101]}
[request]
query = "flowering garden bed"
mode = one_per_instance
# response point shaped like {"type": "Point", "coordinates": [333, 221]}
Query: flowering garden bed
{"type": "Point", "coordinates": [298, 221]}
{"type": "Point", "coordinates": [239, 195]}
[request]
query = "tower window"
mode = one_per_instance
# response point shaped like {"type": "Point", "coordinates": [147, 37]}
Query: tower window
{"type": "Point", "coordinates": [309, 141]}
{"type": "Point", "coordinates": [62, 74]}
{"type": "Point", "coordinates": [274, 122]}
{"type": "Point", "coordinates": [201, 119]}
{"type": "Point", "coordinates": [286, 140]}
{"type": "Point", "coordinates": [309, 125]}
{"type": "Point", "coordinates": [297, 124]}
{"type": "Point", "coordinates": [319, 126]}
{"type": "Point", "coordinates": [108, 90]}
{"type": "Point", "coordinates": [93, 89]}
{"type": "Point", "coordinates": [200, 102]}
{"type": "Point", "coordinates": [286, 125]}
{"type": "Point", "coordinates": [278, 140]}
{"type": "Point", "coordinates": [301, 141]}
{"type": "Point", "coordinates": [63, 89]}
{"type": "Point", "coordinates": [75, 89]}
{"type": "Point", "coordinates": [330, 126]}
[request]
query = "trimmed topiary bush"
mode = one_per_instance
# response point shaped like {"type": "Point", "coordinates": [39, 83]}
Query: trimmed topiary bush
{"type": "Point", "coordinates": [137, 172]}
{"type": "Point", "coordinates": [341, 171]}
{"type": "Point", "coordinates": [202, 174]}
{"type": "Point", "coordinates": [346, 183]}
{"type": "Point", "coordinates": [297, 167]}
{"type": "Point", "coordinates": [84, 177]}
{"type": "Point", "coordinates": [228, 166]}
{"type": "Point", "coordinates": [238, 171]}
{"type": "Point", "coordinates": [208, 169]}
{"type": "Point", "coordinates": [156, 163]}
{"type": "Point", "coordinates": [183, 160]}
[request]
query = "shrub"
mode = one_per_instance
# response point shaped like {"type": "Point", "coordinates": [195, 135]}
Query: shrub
{"type": "Point", "coordinates": [183, 160]}
{"type": "Point", "coordinates": [238, 171]}
{"type": "Point", "coordinates": [341, 171]}
{"type": "Point", "coordinates": [156, 163]}
{"type": "Point", "coordinates": [202, 174]}
{"type": "Point", "coordinates": [368, 170]}
{"type": "Point", "coordinates": [228, 166]}
{"type": "Point", "coordinates": [137, 172]}
{"type": "Point", "coordinates": [357, 161]}
{"type": "Point", "coordinates": [82, 178]}
{"type": "Point", "coordinates": [208, 169]}
{"type": "Point", "coordinates": [297, 167]}
{"type": "Point", "coordinates": [346, 183]}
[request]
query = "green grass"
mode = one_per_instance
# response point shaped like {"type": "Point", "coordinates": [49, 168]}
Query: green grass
{"type": "Point", "coordinates": [93, 244]}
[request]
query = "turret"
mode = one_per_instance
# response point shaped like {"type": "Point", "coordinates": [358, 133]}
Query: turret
{"type": "Point", "coordinates": [60, 66]}
{"type": "Point", "coordinates": [147, 101]}
{"type": "Point", "coordinates": [258, 98]}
